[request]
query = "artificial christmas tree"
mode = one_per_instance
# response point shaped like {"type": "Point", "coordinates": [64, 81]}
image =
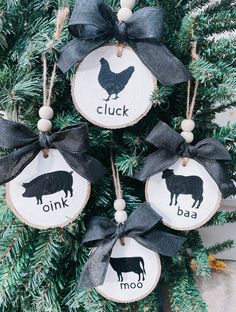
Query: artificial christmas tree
{"type": "Point", "coordinates": [39, 270]}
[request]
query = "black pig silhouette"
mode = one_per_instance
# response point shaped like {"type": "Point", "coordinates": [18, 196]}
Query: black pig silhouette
{"type": "Point", "coordinates": [182, 185]}
{"type": "Point", "coordinates": [124, 265]}
{"type": "Point", "coordinates": [49, 183]}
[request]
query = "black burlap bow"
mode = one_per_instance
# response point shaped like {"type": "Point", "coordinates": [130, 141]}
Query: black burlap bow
{"type": "Point", "coordinates": [103, 234]}
{"type": "Point", "coordinates": [71, 142]}
{"type": "Point", "coordinates": [93, 24]}
{"type": "Point", "coordinates": [171, 146]}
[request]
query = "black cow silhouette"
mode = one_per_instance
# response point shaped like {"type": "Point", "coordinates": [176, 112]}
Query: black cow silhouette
{"type": "Point", "coordinates": [113, 83]}
{"type": "Point", "coordinates": [49, 183]}
{"type": "Point", "coordinates": [182, 185]}
{"type": "Point", "coordinates": [131, 264]}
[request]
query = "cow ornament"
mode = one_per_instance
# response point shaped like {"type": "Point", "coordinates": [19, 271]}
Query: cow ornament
{"type": "Point", "coordinates": [185, 183]}
{"type": "Point", "coordinates": [48, 176]}
{"type": "Point", "coordinates": [132, 274]}
{"type": "Point", "coordinates": [125, 266]}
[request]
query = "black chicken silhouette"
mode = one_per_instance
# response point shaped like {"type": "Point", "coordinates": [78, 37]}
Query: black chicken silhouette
{"type": "Point", "coordinates": [113, 83]}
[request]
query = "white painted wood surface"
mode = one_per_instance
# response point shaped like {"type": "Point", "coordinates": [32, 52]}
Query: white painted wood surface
{"type": "Point", "coordinates": [55, 209]}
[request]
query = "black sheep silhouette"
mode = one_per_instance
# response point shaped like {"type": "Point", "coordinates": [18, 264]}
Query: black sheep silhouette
{"type": "Point", "coordinates": [125, 265]}
{"type": "Point", "coordinates": [113, 83]}
{"type": "Point", "coordinates": [182, 185]}
{"type": "Point", "coordinates": [48, 184]}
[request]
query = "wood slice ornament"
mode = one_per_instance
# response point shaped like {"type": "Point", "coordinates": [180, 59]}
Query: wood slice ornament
{"type": "Point", "coordinates": [108, 90]}
{"type": "Point", "coordinates": [48, 193]}
{"type": "Point", "coordinates": [133, 273]}
{"type": "Point", "coordinates": [125, 264]}
{"type": "Point", "coordinates": [184, 195]}
{"type": "Point", "coordinates": [48, 176]}
{"type": "Point", "coordinates": [185, 183]}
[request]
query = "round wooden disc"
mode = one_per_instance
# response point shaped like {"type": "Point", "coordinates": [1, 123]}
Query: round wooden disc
{"type": "Point", "coordinates": [111, 91]}
{"type": "Point", "coordinates": [195, 195]}
{"type": "Point", "coordinates": [132, 274]}
{"type": "Point", "coordinates": [48, 193]}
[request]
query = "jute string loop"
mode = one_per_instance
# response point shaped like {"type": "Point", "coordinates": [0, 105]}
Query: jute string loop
{"type": "Point", "coordinates": [118, 190]}
{"type": "Point", "coordinates": [48, 86]}
{"type": "Point", "coordinates": [116, 179]}
{"type": "Point", "coordinates": [190, 107]}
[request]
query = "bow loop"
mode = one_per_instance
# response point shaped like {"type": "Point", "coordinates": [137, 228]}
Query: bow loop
{"type": "Point", "coordinates": [120, 32]}
{"type": "Point", "coordinates": [74, 138]}
{"type": "Point", "coordinates": [146, 24]}
{"type": "Point", "coordinates": [98, 229]}
{"type": "Point", "coordinates": [15, 134]}
{"type": "Point", "coordinates": [213, 149]}
{"type": "Point", "coordinates": [149, 219]}
{"type": "Point", "coordinates": [91, 18]}
{"type": "Point", "coordinates": [165, 138]}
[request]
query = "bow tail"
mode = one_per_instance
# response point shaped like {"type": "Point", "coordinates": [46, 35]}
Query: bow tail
{"type": "Point", "coordinates": [161, 62]}
{"type": "Point", "coordinates": [76, 50]}
{"type": "Point", "coordinates": [155, 163]}
{"type": "Point", "coordinates": [85, 165]}
{"type": "Point", "coordinates": [218, 174]}
{"type": "Point", "coordinates": [161, 242]}
{"type": "Point", "coordinates": [14, 163]}
{"type": "Point", "coordinates": [95, 269]}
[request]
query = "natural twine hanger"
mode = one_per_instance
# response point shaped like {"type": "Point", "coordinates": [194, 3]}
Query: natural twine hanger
{"type": "Point", "coordinates": [118, 190]}
{"type": "Point", "coordinates": [48, 84]}
{"type": "Point", "coordinates": [47, 91]}
{"type": "Point", "coordinates": [116, 179]}
{"type": "Point", "coordinates": [190, 107]}
{"type": "Point", "coordinates": [119, 49]}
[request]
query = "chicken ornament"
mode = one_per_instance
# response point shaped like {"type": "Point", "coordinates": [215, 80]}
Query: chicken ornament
{"type": "Point", "coordinates": [108, 88]}
{"type": "Point", "coordinates": [185, 183]}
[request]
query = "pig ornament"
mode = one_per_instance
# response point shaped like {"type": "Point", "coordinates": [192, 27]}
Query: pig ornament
{"type": "Point", "coordinates": [48, 193]}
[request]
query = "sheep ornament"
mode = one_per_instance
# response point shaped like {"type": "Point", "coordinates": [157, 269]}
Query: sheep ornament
{"type": "Point", "coordinates": [185, 194]}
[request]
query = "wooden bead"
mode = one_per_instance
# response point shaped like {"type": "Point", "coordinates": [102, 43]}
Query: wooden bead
{"type": "Point", "coordinates": [188, 125]}
{"type": "Point", "coordinates": [119, 204]}
{"type": "Point", "coordinates": [127, 4]}
{"type": "Point", "coordinates": [124, 14]}
{"type": "Point", "coordinates": [121, 216]}
{"type": "Point", "coordinates": [44, 125]}
{"type": "Point", "coordinates": [46, 112]}
{"type": "Point", "coordinates": [188, 136]}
